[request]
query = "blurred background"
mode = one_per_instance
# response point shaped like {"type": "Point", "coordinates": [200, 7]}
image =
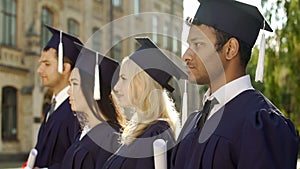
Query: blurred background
{"type": "Point", "coordinates": [22, 37]}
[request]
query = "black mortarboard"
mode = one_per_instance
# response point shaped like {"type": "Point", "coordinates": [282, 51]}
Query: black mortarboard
{"type": "Point", "coordinates": [156, 64]}
{"type": "Point", "coordinates": [103, 72]}
{"type": "Point", "coordinates": [241, 20]}
{"type": "Point", "coordinates": [64, 45]}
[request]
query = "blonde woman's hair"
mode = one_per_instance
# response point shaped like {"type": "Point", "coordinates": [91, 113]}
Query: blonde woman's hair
{"type": "Point", "coordinates": [150, 101]}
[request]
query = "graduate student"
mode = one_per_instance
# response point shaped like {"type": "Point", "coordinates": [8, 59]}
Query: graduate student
{"type": "Point", "coordinates": [93, 102]}
{"type": "Point", "coordinates": [238, 128]}
{"type": "Point", "coordinates": [60, 126]}
{"type": "Point", "coordinates": [142, 86]}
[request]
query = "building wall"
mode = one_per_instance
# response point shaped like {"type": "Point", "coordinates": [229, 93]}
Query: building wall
{"type": "Point", "coordinates": [18, 64]}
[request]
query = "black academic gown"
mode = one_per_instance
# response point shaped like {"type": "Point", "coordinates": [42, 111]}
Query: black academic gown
{"type": "Point", "coordinates": [141, 150]}
{"type": "Point", "coordinates": [84, 153]}
{"type": "Point", "coordinates": [56, 136]}
{"type": "Point", "coordinates": [251, 134]}
{"type": "Point", "coordinates": [109, 143]}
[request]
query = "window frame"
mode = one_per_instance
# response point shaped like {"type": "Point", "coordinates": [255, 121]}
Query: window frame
{"type": "Point", "coordinates": [9, 121]}
{"type": "Point", "coordinates": [46, 19]}
{"type": "Point", "coordinates": [9, 23]}
{"type": "Point", "coordinates": [97, 39]}
{"type": "Point", "coordinates": [73, 27]}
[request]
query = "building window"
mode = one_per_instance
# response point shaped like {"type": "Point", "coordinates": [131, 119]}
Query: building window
{"type": "Point", "coordinates": [136, 7]}
{"type": "Point", "coordinates": [117, 3]}
{"type": "Point", "coordinates": [8, 22]}
{"type": "Point", "coordinates": [175, 40]}
{"type": "Point", "coordinates": [47, 19]}
{"type": "Point", "coordinates": [165, 36]}
{"type": "Point", "coordinates": [73, 27]}
{"type": "Point", "coordinates": [117, 49]}
{"type": "Point", "coordinates": [9, 113]}
{"type": "Point", "coordinates": [96, 39]}
{"type": "Point", "coordinates": [154, 28]}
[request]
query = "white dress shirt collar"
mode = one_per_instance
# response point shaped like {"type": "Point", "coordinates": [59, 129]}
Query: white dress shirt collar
{"type": "Point", "coordinates": [227, 92]}
{"type": "Point", "coordinates": [61, 97]}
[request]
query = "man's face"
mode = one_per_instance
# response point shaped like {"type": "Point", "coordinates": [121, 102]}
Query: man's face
{"type": "Point", "coordinates": [203, 61]}
{"type": "Point", "coordinates": [48, 68]}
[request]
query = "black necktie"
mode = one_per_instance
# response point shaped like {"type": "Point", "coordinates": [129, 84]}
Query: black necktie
{"type": "Point", "coordinates": [209, 104]}
{"type": "Point", "coordinates": [51, 109]}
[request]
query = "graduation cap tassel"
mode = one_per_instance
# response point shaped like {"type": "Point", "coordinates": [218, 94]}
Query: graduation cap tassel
{"type": "Point", "coordinates": [184, 104]}
{"type": "Point", "coordinates": [261, 57]}
{"type": "Point", "coordinates": [97, 80]}
{"type": "Point", "coordinates": [60, 54]}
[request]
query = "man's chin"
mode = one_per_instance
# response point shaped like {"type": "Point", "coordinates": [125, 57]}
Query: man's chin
{"type": "Point", "coordinates": [192, 79]}
{"type": "Point", "coordinates": [45, 84]}
{"type": "Point", "coordinates": [197, 81]}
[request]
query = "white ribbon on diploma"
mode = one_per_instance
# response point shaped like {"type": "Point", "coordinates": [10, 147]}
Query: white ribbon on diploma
{"type": "Point", "coordinates": [31, 159]}
{"type": "Point", "coordinates": [160, 154]}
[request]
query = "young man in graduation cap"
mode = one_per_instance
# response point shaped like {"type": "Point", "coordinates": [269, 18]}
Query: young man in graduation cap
{"type": "Point", "coordinates": [60, 126]}
{"type": "Point", "coordinates": [238, 127]}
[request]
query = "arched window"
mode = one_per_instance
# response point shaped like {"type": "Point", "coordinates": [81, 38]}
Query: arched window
{"type": "Point", "coordinates": [9, 113]}
{"type": "Point", "coordinates": [73, 27]}
{"type": "Point", "coordinates": [46, 19]}
{"type": "Point", "coordinates": [8, 24]}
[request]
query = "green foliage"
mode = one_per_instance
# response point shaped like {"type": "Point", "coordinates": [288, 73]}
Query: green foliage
{"type": "Point", "coordinates": [282, 59]}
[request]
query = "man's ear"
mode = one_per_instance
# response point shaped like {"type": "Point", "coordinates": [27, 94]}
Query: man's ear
{"type": "Point", "coordinates": [67, 68]}
{"type": "Point", "coordinates": [232, 48]}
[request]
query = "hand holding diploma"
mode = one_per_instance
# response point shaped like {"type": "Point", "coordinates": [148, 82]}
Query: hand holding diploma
{"type": "Point", "coordinates": [160, 154]}
{"type": "Point", "coordinates": [31, 159]}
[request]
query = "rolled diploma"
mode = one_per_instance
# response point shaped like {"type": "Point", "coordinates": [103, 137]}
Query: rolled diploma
{"type": "Point", "coordinates": [160, 154]}
{"type": "Point", "coordinates": [31, 159]}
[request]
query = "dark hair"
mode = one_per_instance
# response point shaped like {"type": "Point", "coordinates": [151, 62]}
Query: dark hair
{"type": "Point", "coordinates": [65, 59]}
{"type": "Point", "coordinates": [222, 37]}
{"type": "Point", "coordinates": [107, 102]}
{"type": "Point", "coordinates": [244, 49]}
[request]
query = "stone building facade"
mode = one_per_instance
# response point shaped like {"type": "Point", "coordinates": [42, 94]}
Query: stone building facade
{"type": "Point", "coordinates": [22, 36]}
